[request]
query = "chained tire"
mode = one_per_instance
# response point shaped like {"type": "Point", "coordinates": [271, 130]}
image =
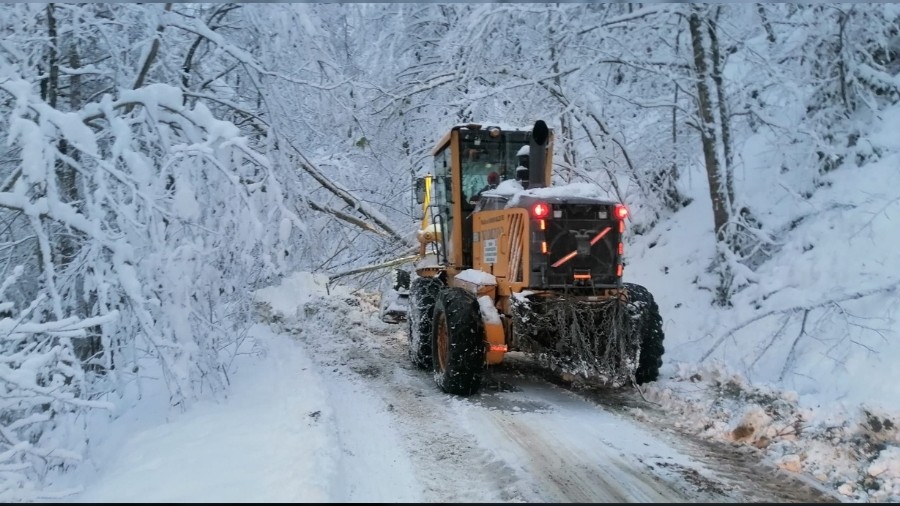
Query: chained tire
{"type": "Point", "coordinates": [643, 308]}
{"type": "Point", "coordinates": [420, 315]}
{"type": "Point", "coordinates": [458, 342]}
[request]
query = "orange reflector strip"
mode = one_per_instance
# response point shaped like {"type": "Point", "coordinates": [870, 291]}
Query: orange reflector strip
{"type": "Point", "coordinates": [564, 259]}
{"type": "Point", "coordinates": [543, 225]}
{"type": "Point", "coordinates": [582, 276]}
{"type": "Point", "coordinates": [544, 247]}
{"type": "Point", "coordinates": [497, 347]}
{"type": "Point", "coordinates": [621, 226]}
{"type": "Point", "coordinates": [619, 271]}
{"type": "Point", "coordinates": [621, 248]}
{"type": "Point", "coordinates": [572, 254]}
{"type": "Point", "coordinates": [599, 236]}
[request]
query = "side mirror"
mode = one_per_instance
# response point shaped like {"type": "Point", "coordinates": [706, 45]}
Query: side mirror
{"type": "Point", "coordinates": [420, 190]}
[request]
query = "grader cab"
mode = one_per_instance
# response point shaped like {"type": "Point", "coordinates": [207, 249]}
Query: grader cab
{"type": "Point", "coordinates": [512, 263]}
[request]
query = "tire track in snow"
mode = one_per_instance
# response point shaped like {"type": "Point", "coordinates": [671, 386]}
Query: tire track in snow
{"type": "Point", "coordinates": [524, 439]}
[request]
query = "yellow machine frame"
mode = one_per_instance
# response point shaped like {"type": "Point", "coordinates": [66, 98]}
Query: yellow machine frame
{"type": "Point", "coordinates": [508, 227]}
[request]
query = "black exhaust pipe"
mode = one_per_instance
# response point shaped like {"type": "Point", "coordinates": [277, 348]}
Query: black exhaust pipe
{"type": "Point", "coordinates": [537, 154]}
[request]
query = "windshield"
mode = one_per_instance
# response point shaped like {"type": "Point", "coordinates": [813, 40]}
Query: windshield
{"type": "Point", "coordinates": [483, 155]}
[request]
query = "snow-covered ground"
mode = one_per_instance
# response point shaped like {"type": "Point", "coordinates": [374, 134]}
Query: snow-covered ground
{"type": "Point", "coordinates": [289, 434]}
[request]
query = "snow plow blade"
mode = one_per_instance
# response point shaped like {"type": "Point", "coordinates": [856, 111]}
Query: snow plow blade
{"type": "Point", "coordinates": [395, 298]}
{"type": "Point", "coordinates": [394, 307]}
{"type": "Point", "coordinates": [395, 292]}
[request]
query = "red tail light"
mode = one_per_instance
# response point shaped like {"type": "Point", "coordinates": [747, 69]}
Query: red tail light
{"type": "Point", "coordinates": [620, 212]}
{"type": "Point", "coordinates": [540, 210]}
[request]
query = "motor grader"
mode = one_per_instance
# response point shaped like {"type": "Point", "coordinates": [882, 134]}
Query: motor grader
{"type": "Point", "coordinates": [522, 267]}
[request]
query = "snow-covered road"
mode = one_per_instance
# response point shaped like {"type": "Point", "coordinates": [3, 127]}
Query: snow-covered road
{"type": "Point", "coordinates": [526, 438]}
{"type": "Point", "coordinates": [325, 406]}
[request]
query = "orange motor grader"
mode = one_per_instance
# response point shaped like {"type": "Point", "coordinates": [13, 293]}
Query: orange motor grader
{"type": "Point", "coordinates": [520, 265]}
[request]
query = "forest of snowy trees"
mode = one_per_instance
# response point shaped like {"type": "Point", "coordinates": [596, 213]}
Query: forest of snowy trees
{"type": "Point", "coordinates": [161, 161]}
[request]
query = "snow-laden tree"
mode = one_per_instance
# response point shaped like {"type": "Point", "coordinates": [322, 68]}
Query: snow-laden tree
{"type": "Point", "coordinates": [142, 140]}
{"type": "Point", "coordinates": [804, 80]}
{"type": "Point", "coordinates": [567, 64]}
{"type": "Point", "coordinates": [637, 93]}
{"type": "Point", "coordinates": [351, 176]}
{"type": "Point", "coordinates": [122, 202]}
{"type": "Point", "coordinates": [44, 390]}
{"type": "Point", "coordinates": [154, 266]}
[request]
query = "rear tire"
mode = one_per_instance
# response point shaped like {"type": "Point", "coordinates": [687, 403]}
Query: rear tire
{"type": "Point", "coordinates": [420, 315]}
{"type": "Point", "coordinates": [642, 306]}
{"type": "Point", "coordinates": [458, 342]}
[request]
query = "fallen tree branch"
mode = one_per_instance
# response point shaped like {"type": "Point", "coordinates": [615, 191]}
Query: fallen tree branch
{"type": "Point", "coordinates": [888, 288]}
{"type": "Point", "coordinates": [790, 358]}
{"type": "Point", "coordinates": [366, 226]}
{"type": "Point", "coordinates": [374, 267]}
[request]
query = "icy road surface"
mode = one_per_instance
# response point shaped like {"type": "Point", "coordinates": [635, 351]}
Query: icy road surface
{"type": "Point", "coordinates": [528, 438]}
{"type": "Point", "coordinates": [330, 409]}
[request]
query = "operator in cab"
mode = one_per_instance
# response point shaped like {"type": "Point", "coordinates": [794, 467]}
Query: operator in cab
{"type": "Point", "coordinates": [493, 180]}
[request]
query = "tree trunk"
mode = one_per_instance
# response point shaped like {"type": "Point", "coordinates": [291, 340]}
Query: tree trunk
{"type": "Point", "coordinates": [52, 87]}
{"type": "Point", "coordinates": [568, 155]}
{"type": "Point", "coordinates": [770, 34]}
{"type": "Point", "coordinates": [719, 183]}
{"type": "Point", "coordinates": [724, 123]}
{"type": "Point", "coordinates": [89, 348]}
{"type": "Point", "coordinates": [151, 56]}
{"type": "Point", "coordinates": [718, 190]}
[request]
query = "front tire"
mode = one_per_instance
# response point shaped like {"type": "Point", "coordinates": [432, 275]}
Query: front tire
{"type": "Point", "coordinates": [420, 315]}
{"type": "Point", "coordinates": [643, 308]}
{"type": "Point", "coordinates": [458, 342]}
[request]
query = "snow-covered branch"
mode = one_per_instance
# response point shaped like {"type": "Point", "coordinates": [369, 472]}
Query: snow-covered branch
{"type": "Point", "coordinates": [887, 288]}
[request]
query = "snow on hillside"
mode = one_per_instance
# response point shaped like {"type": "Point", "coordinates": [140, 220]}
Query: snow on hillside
{"type": "Point", "coordinates": [804, 363]}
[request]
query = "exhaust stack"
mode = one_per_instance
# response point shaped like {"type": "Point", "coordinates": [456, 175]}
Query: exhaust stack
{"type": "Point", "coordinates": [538, 154]}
